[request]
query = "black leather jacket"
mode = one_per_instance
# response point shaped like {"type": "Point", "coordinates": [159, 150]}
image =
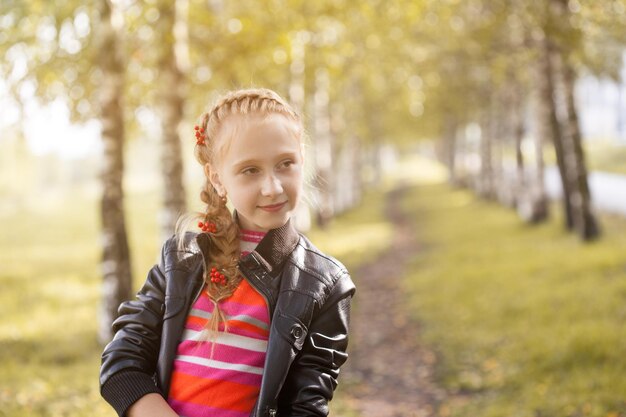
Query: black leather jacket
{"type": "Point", "coordinates": [308, 295]}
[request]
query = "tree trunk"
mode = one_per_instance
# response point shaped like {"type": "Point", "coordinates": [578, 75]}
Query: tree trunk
{"type": "Point", "coordinates": [583, 219]}
{"type": "Point", "coordinates": [532, 202]}
{"type": "Point", "coordinates": [518, 136]}
{"type": "Point", "coordinates": [347, 190]}
{"type": "Point", "coordinates": [296, 70]}
{"type": "Point", "coordinates": [348, 117]}
{"type": "Point", "coordinates": [375, 161]}
{"type": "Point", "coordinates": [580, 198]}
{"type": "Point", "coordinates": [552, 126]}
{"type": "Point", "coordinates": [356, 152]}
{"type": "Point", "coordinates": [503, 188]}
{"type": "Point", "coordinates": [515, 186]}
{"type": "Point", "coordinates": [523, 201]}
{"type": "Point", "coordinates": [486, 174]}
{"type": "Point", "coordinates": [341, 189]}
{"type": "Point", "coordinates": [117, 281]}
{"type": "Point", "coordinates": [535, 207]}
{"type": "Point", "coordinates": [449, 147]}
{"type": "Point", "coordinates": [297, 99]}
{"type": "Point", "coordinates": [172, 27]}
{"type": "Point", "coordinates": [323, 149]}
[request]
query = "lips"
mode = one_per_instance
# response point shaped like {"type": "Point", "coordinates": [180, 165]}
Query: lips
{"type": "Point", "coordinates": [273, 207]}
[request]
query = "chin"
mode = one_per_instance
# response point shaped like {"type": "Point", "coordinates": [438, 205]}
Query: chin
{"type": "Point", "coordinates": [275, 224]}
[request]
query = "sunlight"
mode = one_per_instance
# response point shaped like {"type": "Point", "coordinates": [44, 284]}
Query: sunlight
{"type": "Point", "coordinates": [48, 129]}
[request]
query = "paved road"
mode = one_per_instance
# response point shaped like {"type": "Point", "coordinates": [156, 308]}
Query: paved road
{"type": "Point", "coordinates": [608, 191]}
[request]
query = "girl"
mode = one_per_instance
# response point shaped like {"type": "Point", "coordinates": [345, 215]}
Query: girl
{"type": "Point", "coordinates": [245, 317]}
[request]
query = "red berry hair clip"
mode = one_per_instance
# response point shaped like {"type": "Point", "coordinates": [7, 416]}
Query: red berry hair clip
{"type": "Point", "coordinates": [199, 135]}
{"type": "Point", "coordinates": [207, 227]}
{"type": "Point", "coordinates": [217, 277]}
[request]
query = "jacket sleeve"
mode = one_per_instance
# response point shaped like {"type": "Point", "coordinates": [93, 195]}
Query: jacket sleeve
{"type": "Point", "coordinates": [312, 377]}
{"type": "Point", "coordinates": [129, 360]}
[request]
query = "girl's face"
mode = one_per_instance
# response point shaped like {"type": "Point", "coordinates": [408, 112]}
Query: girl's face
{"type": "Point", "coordinates": [260, 169]}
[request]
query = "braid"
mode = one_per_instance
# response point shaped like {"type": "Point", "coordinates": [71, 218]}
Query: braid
{"type": "Point", "coordinates": [225, 250]}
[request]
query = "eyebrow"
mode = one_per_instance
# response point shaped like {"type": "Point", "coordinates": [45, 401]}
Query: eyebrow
{"type": "Point", "coordinates": [252, 161]}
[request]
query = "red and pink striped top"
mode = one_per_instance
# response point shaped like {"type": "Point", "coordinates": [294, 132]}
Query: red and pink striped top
{"type": "Point", "coordinates": [227, 383]}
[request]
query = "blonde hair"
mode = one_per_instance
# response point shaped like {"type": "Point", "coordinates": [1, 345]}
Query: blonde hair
{"type": "Point", "coordinates": [224, 251]}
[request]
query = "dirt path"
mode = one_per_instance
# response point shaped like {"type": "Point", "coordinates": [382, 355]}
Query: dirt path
{"type": "Point", "coordinates": [389, 373]}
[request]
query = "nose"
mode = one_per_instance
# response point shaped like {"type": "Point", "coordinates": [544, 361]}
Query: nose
{"type": "Point", "coordinates": [271, 186]}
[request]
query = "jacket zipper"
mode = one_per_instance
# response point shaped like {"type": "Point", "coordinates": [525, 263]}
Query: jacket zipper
{"type": "Point", "coordinates": [272, 411]}
{"type": "Point", "coordinates": [259, 290]}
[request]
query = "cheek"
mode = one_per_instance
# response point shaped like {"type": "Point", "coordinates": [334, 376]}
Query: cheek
{"type": "Point", "coordinates": [239, 189]}
{"type": "Point", "coordinates": [294, 183]}
{"type": "Point", "coordinates": [245, 190]}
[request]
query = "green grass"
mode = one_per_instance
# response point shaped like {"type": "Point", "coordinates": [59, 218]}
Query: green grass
{"type": "Point", "coordinates": [527, 321]}
{"type": "Point", "coordinates": [48, 304]}
{"type": "Point", "coordinates": [50, 280]}
{"type": "Point", "coordinates": [606, 156]}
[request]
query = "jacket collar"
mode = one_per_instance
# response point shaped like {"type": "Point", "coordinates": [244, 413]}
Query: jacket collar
{"type": "Point", "coordinates": [276, 245]}
{"type": "Point", "coordinates": [270, 252]}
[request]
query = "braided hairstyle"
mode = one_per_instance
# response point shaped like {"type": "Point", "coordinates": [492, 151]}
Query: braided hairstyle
{"type": "Point", "coordinates": [225, 250]}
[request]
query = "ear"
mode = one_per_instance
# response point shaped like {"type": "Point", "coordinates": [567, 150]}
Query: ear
{"type": "Point", "coordinates": [214, 177]}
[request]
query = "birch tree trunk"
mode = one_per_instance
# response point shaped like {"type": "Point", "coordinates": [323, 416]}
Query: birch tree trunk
{"type": "Point", "coordinates": [323, 148]}
{"type": "Point", "coordinates": [517, 125]}
{"type": "Point", "coordinates": [580, 198]}
{"type": "Point", "coordinates": [172, 28]}
{"type": "Point", "coordinates": [450, 147]}
{"type": "Point", "coordinates": [535, 208]}
{"type": "Point", "coordinates": [501, 183]}
{"type": "Point", "coordinates": [355, 146]}
{"type": "Point", "coordinates": [342, 159]}
{"type": "Point", "coordinates": [297, 99]}
{"type": "Point", "coordinates": [116, 269]}
{"type": "Point", "coordinates": [532, 202]}
{"type": "Point", "coordinates": [343, 170]}
{"type": "Point", "coordinates": [374, 152]}
{"type": "Point", "coordinates": [486, 174]}
{"type": "Point", "coordinates": [583, 220]}
{"type": "Point", "coordinates": [296, 70]}
{"type": "Point", "coordinates": [551, 124]}
{"type": "Point", "coordinates": [356, 189]}
{"type": "Point", "coordinates": [348, 189]}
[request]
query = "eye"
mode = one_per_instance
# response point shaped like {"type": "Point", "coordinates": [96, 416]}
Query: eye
{"type": "Point", "coordinates": [287, 163]}
{"type": "Point", "coordinates": [250, 171]}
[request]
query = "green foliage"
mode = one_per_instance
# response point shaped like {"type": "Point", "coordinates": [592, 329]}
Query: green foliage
{"type": "Point", "coordinates": [527, 321]}
{"type": "Point", "coordinates": [393, 65]}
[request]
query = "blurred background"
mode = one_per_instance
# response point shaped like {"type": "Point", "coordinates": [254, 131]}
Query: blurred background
{"type": "Point", "coordinates": [483, 142]}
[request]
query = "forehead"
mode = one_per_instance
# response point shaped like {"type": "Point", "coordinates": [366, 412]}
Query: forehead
{"type": "Point", "coordinates": [257, 136]}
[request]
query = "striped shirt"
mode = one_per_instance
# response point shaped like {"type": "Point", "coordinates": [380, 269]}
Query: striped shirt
{"type": "Point", "coordinates": [222, 380]}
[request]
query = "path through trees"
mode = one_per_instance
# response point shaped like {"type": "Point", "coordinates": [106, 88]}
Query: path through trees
{"type": "Point", "coordinates": [389, 372]}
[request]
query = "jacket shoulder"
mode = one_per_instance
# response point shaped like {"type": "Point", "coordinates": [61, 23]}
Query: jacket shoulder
{"type": "Point", "coordinates": [324, 259]}
{"type": "Point", "coordinates": [325, 268]}
{"type": "Point", "coordinates": [179, 252]}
